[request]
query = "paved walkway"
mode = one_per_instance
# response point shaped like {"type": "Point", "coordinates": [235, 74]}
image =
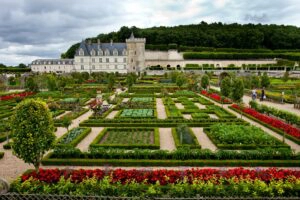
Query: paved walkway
{"type": "Point", "coordinates": [112, 114]}
{"type": "Point", "coordinates": [286, 106]}
{"type": "Point", "coordinates": [85, 143]}
{"type": "Point", "coordinates": [179, 106]}
{"type": "Point", "coordinates": [200, 106]}
{"type": "Point", "coordinates": [160, 107]}
{"type": "Point", "coordinates": [61, 115]}
{"type": "Point", "coordinates": [203, 140]}
{"type": "Point", "coordinates": [292, 144]}
{"type": "Point", "coordinates": [166, 139]}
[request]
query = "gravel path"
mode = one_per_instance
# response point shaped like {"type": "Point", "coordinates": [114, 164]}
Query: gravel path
{"type": "Point", "coordinates": [84, 144]}
{"type": "Point", "coordinates": [200, 106]}
{"type": "Point", "coordinates": [160, 107]}
{"type": "Point", "coordinates": [187, 116]}
{"type": "Point", "coordinates": [60, 131]}
{"type": "Point", "coordinates": [292, 144]}
{"type": "Point", "coordinates": [166, 139]}
{"type": "Point", "coordinates": [203, 140]}
{"type": "Point", "coordinates": [179, 105]}
{"type": "Point", "coordinates": [80, 119]}
{"type": "Point", "coordinates": [63, 114]}
{"type": "Point", "coordinates": [125, 99]}
{"type": "Point", "coordinates": [112, 114]}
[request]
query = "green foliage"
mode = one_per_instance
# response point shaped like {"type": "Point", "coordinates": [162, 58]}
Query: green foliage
{"type": "Point", "coordinates": [204, 81]}
{"type": "Point", "coordinates": [237, 91]}
{"type": "Point", "coordinates": [66, 121]}
{"type": "Point", "coordinates": [111, 79]}
{"type": "Point", "coordinates": [31, 84]}
{"type": "Point", "coordinates": [265, 80]}
{"type": "Point", "coordinates": [285, 77]}
{"type": "Point", "coordinates": [130, 80]}
{"type": "Point", "coordinates": [180, 80]}
{"type": "Point", "coordinates": [226, 86]}
{"type": "Point", "coordinates": [255, 82]}
{"type": "Point", "coordinates": [51, 82]}
{"type": "Point", "coordinates": [32, 128]}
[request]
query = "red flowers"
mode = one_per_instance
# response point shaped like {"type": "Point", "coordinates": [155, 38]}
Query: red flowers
{"type": "Point", "coordinates": [163, 176]}
{"type": "Point", "coordinates": [215, 96]}
{"type": "Point", "coordinates": [287, 128]}
{"type": "Point", "coordinates": [11, 96]}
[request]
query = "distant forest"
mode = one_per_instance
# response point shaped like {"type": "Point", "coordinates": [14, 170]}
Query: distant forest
{"type": "Point", "coordinates": [209, 36]}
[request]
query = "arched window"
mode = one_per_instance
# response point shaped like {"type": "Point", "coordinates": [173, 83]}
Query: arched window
{"type": "Point", "coordinates": [115, 52]}
{"type": "Point", "coordinates": [81, 52]}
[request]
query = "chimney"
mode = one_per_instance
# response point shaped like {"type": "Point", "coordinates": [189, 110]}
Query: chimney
{"type": "Point", "coordinates": [98, 42]}
{"type": "Point", "coordinates": [111, 42]}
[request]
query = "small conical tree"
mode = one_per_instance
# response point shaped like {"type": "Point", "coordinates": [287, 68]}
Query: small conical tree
{"type": "Point", "coordinates": [226, 86]}
{"type": "Point", "coordinates": [237, 91]}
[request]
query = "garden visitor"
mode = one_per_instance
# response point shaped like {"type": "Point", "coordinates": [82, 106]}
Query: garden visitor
{"type": "Point", "coordinates": [282, 97]}
{"type": "Point", "coordinates": [263, 96]}
{"type": "Point", "coordinates": [254, 95]}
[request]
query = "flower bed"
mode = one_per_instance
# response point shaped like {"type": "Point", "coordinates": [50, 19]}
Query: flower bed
{"type": "Point", "coordinates": [19, 95]}
{"type": "Point", "coordinates": [287, 128]}
{"type": "Point", "coordinates": [216, 97]}
{"type": "Point", "coordinates": [161, 183]}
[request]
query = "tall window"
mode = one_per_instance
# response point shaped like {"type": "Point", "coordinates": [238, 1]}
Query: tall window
{"type": "Point", "coordinates": [115, 52]}
{"type": "Point", "coordinates": [116, 66]}
{"type": "Point", "coordinates": [81, 60]}
{"type": "Point", "coordinates": [124, 60]}
{"type": "Point", "coordinates": [116, 60]}
{"type": "Point", "coordinates": [81, 53]}
{"type": "Point", "coordinates": [100, 60]}
{"type": "Point", "coordinates": [82, 67]}
{"type": "Point", "coordinates": [93, 60]}
{"type": "Point", "coordinates": [93, 67]}
{"type": "Point", "coordinates": [107, 60]}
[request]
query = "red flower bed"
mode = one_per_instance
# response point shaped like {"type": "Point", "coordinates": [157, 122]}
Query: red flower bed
{"type": "Point", "coordinates": [90, 81]}
{"type": "Point", "coordinates": [11, 96]}
{"type": "Point", "coordinates": [215, 96]}
{"type": "Point", "coordinates": [163, 176]}
{"type": "Point", "coordinates": [276, 123]}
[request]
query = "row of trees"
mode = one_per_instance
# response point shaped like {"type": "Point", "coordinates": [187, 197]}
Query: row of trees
{"type": "Point", "coordinates": [217, 35]}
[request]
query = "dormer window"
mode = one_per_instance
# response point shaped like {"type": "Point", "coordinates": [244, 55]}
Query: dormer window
{"type": "Point", "coordinates": [100, 53]}
{"type": "Point", "coordinates": [81, 52]}
{"type": "Point", "coordinates": [115, 52]}
{"type": "Point", "coordinates": [124, 52]}
{"type": "Point", "coordinates": [107, 52]}
{"type": "Point", "coordinates": [93, 53]}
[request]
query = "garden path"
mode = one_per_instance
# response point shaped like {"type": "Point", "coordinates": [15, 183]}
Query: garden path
{"type": "Point", "coordinates": [286, 106]}
{"type": "Point", "coordinates": [63, 114]}
{"type": "Point", "coordinates": [166, 139]}
{"type": "Point", "coordinates": [84, 144]}
{"type": "Point", "coordinates": [112, 114]}
{"type": "Point", "coordinates": [292, 144]}
{"type": "Point", "coordinates": [200, 106]}
{"type": "Point", "coordinates": [160, 107]}
{"type": "Point", "coordinates": [203, 140]}
{"type": "Point", "coordinates": [179, 106]}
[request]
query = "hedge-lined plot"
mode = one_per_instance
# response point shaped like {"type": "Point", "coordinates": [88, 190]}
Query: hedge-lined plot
{"type": "Point", "coordinates": [137, 113]}
{"type": "Point", "coordinates": [128, 138]}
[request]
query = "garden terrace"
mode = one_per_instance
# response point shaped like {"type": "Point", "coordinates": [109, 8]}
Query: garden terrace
{"type": "Point", "coordinates": [127, 138]}
{"type": "Point", "coordinates": [233, 137]}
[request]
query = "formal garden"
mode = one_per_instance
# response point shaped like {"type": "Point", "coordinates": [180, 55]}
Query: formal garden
{"type": "Point", "coordinates": [147, 123]}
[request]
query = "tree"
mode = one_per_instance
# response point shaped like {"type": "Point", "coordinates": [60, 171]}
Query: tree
{"type": "Point", "coordinates": [22, 65]}
{"type": "Point", "coordinates": [205, 81]}
{"type": "Point", "coordinates": [130, 80]}
{"type": "Point", "coordinates": [285, 77]}
{"type": "Point", "coordinates": [180, 80]}
{"type": "Point", "coordinates": [255, 82]}
{"type": "Point", "coordinates": [51, 82]}
{"type": "Point", "coordinates": [32, 128]}
{"type": "Point", "coordinates": [264, 80]}
{"type": "Point", "coordinates": [237, 89]}
{"type": "Point", "coordinates": [226, 86]}
{"type": "Point", "coordinates": [66, 122]}
{"type": "Point", "coordinates": [31, 85]}
{"type": "Point", "coordinates": [111, 79]}
{"type": "Point", "coordinates": [12, 80]}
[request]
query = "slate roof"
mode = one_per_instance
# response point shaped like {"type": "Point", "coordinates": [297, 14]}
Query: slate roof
{"type": "Point", "coordinates": [53, 62]}
{"type": "Point", "coordinates": [87, 48]}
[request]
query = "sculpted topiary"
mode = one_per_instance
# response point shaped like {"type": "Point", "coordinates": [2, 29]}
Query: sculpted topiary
{"type": "Point", "coordinates": [32, 128]}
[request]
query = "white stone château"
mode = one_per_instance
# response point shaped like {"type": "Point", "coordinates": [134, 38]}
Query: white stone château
{"type": "Point", "coordinates": [100, 57]}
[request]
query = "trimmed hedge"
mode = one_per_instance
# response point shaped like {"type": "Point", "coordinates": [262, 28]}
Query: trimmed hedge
{"type": "Point", "coordinates": [297, 141]}
{"type": "Point", "coordinates": [57, 122]}
{"type": "Point", "coordinates": [156, 145]}
{"type": "Point", "coordinates": [1, 154]}
{"type": "Point", "coordinates": [169, 163]}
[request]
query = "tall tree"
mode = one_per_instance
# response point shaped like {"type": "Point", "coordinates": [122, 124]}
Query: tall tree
{"type": "Point", "coordinates": [264, 80]}
{"type": "Point", "coordinates": [237, 90]}
{"type": "Point", "coordinates": [204, 81]}
{"type": "Point", "coordinates": [226, 86]}
{"type": "Point", "coordinates": [180, 80]}
{"type": "Point", "coordinates": [31, 85]}
{"type": "Point", "coordinates": [111, 79]}
{"type": "Point", "coordinates": [33, 131]}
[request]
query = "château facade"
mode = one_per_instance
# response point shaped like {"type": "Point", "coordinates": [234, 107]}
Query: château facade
{"type": "Point", "coordinates": [100, 57]}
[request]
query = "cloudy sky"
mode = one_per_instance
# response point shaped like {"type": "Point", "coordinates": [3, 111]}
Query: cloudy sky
{"type": "Point", "coordinates": [31, 29]}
